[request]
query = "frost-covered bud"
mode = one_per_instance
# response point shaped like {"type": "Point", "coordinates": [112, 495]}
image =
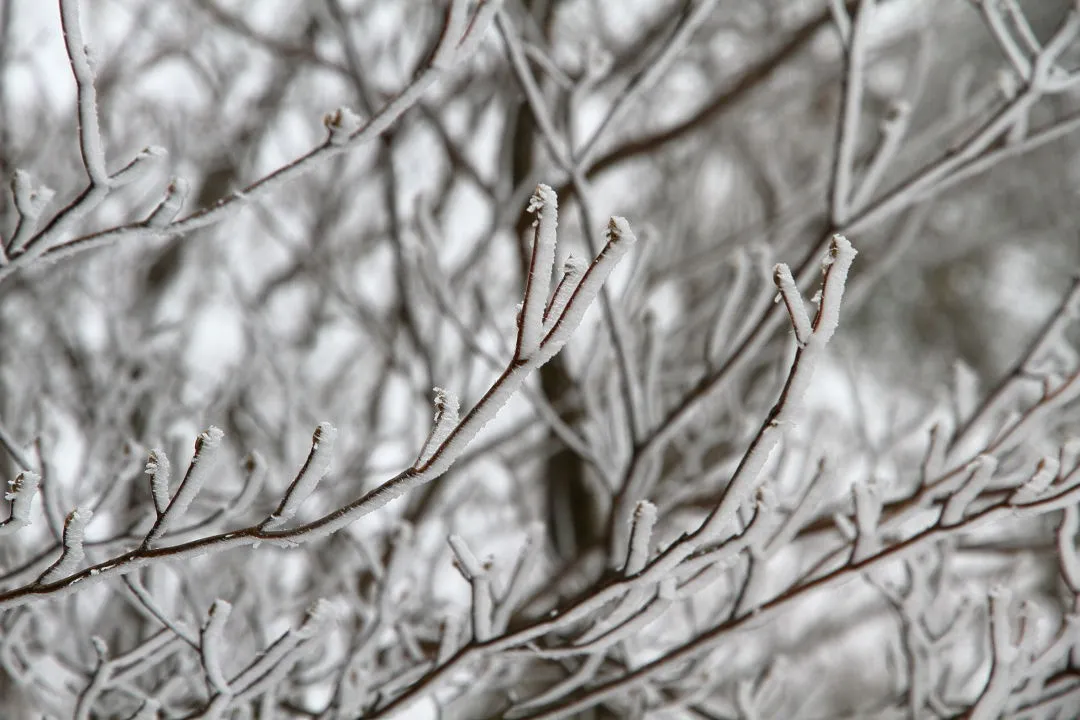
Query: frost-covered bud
{"type": "Point", "coordinates": [342, 124]}
{"type": "Point", "coordinates": [21, 496]}
{"type": "Point", "coordinates": [175, 195]}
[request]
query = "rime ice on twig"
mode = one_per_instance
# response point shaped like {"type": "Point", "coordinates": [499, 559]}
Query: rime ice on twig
{"type": "Point", "coordinates": [93, 154]}
{"type": "Point", "coordinates": [992, 700]}
{"type": "Point", "coordinates": [201, 464]}
{"type": "Point", "coordinates": [447, 411]}
{"type": "Point", "coordinates": [545, 205]}
{"type": "Point", "coordinates": [45, 243]}
{"type": "Point", "coordinates": [441, 457]}
{"type": "Point", "coordinates": [169, 207]}
{"type": "Point", "coordinates": [517, 586]}
{"type": "Point", "coordinates": [211, 645]}
{"type": "Point", "coordinates": [981, 472]}
{"type": "Point", "coordinates": [893, 128]}
{"type": "Point", "coordinates": [271, 665]}
{"type": "Point", "coordinates": [620, 238]}
{"type": "Point", "coordinates": [21, 495]}
{"type": "Point", "coordinates": [450, 638]}
{"type": "Point", "coordinates": [30, 201]}
{"type": "Point", "coordinates": [342, 124]}
{"type": "Point", "coordinates": [438, 456]}
{"type": "Point", "coordinates": [1039, 482]}
{"type": "Point", "coordinates": [139, 166]}
{"type": "Point", "coordinates": [789, 292]}
{"type": "Point", "coordinates": [479, 579]}
{"type": "Point", "coordinates": [72, 553]}
{"type": "Point", "coordinates": [99, 680]}
{"type": "Point", "coordinates": [573, 269]}
{"type": "Point", "coordinates": [160, 471]}
{"type": "Point", "coordinates": [835, 266]}
{"type": "Point", "coordinates": [305, 482]}
{"type": "Point", "coordinates": [840, 201]}
{"type": "Point", "coordinates": [640, 534]}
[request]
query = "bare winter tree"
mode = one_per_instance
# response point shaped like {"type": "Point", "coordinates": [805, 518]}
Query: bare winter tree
{"type": "Point", "coordinates": [749, 330]}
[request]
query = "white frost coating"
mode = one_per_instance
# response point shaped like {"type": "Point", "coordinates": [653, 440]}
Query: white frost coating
{"type": "Point", "coordinates": [254, 676]}
{"type": "Point", "coordinates": [447, 417]}
{"type": "Point", "coordinates": [309, 477]}
{"type": "Point", "coordinates": [982, 471]}
{"type": "Point", "coordinates": [545, 204]}
{"type": "Point", "coordinates": [844, 526]}
{"type": "Point", "coordinates": [518, 585]}
{"type": "Point", "coordinates": [511, 380]}
{"type": "Point", "coordinates": [836, 265]}
{"type": "Point", "coordinates": [318, 617]}
{"type": "Point", "coordinates": [643, 522]}
{"type": "Point", "coordinates": [30, 200]}
{"type": "Point", "coordinates": [620, 238]}
{"type": "Point", "coordinates": [934, 463]}
{"type": "Point", "coordinates": [999, 685]}
{"type": "Point", "coordinates": [212, 639]}
{"type": "Point", "coordinates": [72, 554]}
{"type": "Point", "coordinates": [789, 292]}
{"type": "Point", "coordinates": [483, 608]}
{"type": "Point", "coordinates": [89, 129]}
{"type": "Point", "coordinates": [159, 469]}
{"type": "Point", "coordinates": [21, 495]}
{"type": "Point", "coordinates": [201, 464]}
{"type": "Point", "coordinates": [342, 124]}
{"type": "Point", "coordinates": [627, 607]}
{"type": "Point", "coordinates": [1045, 474]}
{"type": "Point", "coordinates": [638, 622]}
{"type": "Point", "coordinates": [271, 666]}
{"type": "Point", "coordinates": [139, 167]}
{"type": "Point", "coordinates": [167, 210]}
{"type": "Point", "coordinates": [450, 640]}
{"type": "Point", "coordinates": [573, 269]}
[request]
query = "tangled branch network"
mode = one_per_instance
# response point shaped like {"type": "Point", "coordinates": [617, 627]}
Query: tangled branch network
{"type": "Point", "coordinates": [657, 522]}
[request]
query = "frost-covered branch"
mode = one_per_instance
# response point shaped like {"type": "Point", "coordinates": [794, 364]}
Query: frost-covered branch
{"type": "Point", "coordinates": [315, 469]}
{"type": "Point", "coordinates": [441, 457]}
{"type": "Point", "coordinates": [202, 463]}
{"type": "Point", "coordinates": [48, 243]}
{"type": "Point", "coordinates": [855, 52]}
{"type": "Point", "coordinates": [72, 553]}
